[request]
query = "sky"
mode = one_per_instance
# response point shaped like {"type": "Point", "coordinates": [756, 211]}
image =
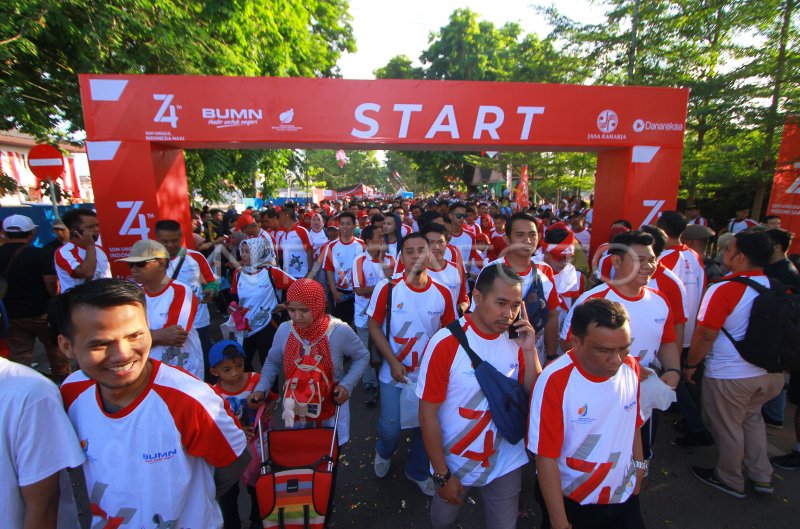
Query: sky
{"type": "Point", "coordinates": [385, 28]}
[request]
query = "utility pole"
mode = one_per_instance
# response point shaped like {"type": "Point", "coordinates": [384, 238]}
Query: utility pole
{"type": "Point", "coordinates": [632, 55]}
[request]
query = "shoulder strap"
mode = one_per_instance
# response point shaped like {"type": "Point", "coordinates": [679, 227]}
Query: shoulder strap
{"type": "Point", "coordinates": [14, 256]}
{"type": "Point", "coordinates": [177, 271]}
{"type": "Point", "coordinates": [272, 284]}
{"type": "Point", "coordinates": [761, 289]}
{"type": "Point", "coordinates": [457, 331]}
{"type": "Point", "coordinates": [327, 334]}
{"type": "Point", "coordinates": [389, 311]}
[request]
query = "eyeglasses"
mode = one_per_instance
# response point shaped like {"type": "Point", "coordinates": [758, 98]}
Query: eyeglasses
{"type": "Point", "coordinates": [460, 215]}
{"type": "Point", "coordinates": [140, 264]}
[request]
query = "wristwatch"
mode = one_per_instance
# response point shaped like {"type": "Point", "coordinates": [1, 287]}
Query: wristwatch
{"type": "Point", "coordinates": [644, 465]}
{"type": "Point", "coordinates": [441, 479]}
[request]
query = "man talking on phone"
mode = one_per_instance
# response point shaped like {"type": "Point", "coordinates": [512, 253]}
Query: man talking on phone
{"type": "Point", "coordinates": [81, 258]}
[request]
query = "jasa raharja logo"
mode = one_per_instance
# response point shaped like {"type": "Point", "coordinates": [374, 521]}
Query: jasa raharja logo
{"type": "Point", "coordinates": [583, 411]}
{"type": "Point", "coordinates": [583, 415]}
{"type": "Point", "coordinates": [156, 457]}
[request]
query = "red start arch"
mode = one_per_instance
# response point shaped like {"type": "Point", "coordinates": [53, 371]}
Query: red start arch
{"type": "Point", "coordinates": [138, 125]}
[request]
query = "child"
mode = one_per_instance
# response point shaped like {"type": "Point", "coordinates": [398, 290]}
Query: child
{"type": "Point", "coordinates": [226, 360]}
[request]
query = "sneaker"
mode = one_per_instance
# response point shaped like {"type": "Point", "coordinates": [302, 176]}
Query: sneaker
{"type": "Point", "coordinates": [381, 465]}
{"type": "Point", "coordinates": [370, 395]}
{"type": "Point", "coordinates": [426, 486]}
{"type": "Point", "coordinates": [790, 461]}
{"type": "Point", "coordinates": [691, 439]}
{"type": "Point", "coordinates": [764, 487]}
{"type": "Point", "coordinates": [772, 423]}
{"type": "Point", "coordinates": [709, 477]}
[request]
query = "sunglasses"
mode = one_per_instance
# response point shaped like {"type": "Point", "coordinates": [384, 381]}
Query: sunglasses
{"type": "Point", "coordinates": [460, 215]}
{"type": "Point", "coordinates": [140, 264]}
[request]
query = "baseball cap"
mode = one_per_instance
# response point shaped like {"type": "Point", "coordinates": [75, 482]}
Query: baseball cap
{"type": "Point", "coordinates": [694, 232]}
{"type": "Point", "coordinates": [145, 250]}
{"type": "Point", "coordinates": [216, 353]}
{"type": "Point", "coordinates": [18, 224]}
{"type": "Point", "coordinates": [58, 224]}
{"type": "Point", "coordinates": [243, 221]}
{"type": "Point", "coordinates": [691, 205]}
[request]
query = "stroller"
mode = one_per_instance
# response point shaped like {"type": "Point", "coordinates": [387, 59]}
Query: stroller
{"type": "Point", "coordinates": [296, 476]}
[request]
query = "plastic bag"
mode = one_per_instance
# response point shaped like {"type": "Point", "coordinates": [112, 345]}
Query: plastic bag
{"type": "Point", "coordinates": [654, 394]}
{"type": "Point", "coordinates": [409, 403]}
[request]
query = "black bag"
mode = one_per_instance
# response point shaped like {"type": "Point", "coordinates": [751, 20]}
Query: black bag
{"type": "Point", "coordinates": [7, 269]}
{"type": "Point", "coordinates": [508, 403]}
{"type": "Point", "coordinates": [772, 340]}
{"type": "Point", "coordinates": [536, 304]}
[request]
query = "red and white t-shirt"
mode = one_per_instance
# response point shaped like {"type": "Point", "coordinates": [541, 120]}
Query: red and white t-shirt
{"type": "Point", "coordinates": [167, 442]}
{"type": "Point", "coordinates": [452, 276]}
{"type": "Point", "coordinates": [688, 266]}
{"type": "Point", "coordinates": [651, 320]}
{"type": "Point", "coordinates": [728, 304]}
{"type": "Point", "coordinates": [294, 251]}
{"type": "Point", "coordinates": [416, 316]}
{"type": "Point", "coordinates": [367, 272]}
{"type": "Point", "coordinates": [453, 254]}
{"type": "Point", "coordinates": [465, 243]}
{"type": "Point", "coordinates": [700, 221]}
{"type": "Point", "coordinates": [257, 293]}
{"type": "Point", "coordinates": [339, 258]}
{"type": "Point", "coordinates": [237, 402]}
{"type": "Point", "coordinates": [588, 424]}
{"type": "Point", "coordinates": [735, 226]}
{"type": "Point", "coordinates": [570, 284]}
{"type": "Point", "coordinates": [672, 287]}
{"type": "Point", "coordinates": [405, 230]}
{"type": "Point", "coordinates": [548, 282]}
{"type": "Point", "coordinates": [497, 244]}
{"type": "Point", "coordinates": [584, 237]}
{"type": "Point", "coordinates": [194, 272]}
{"type": "Point", "coordinates": [318, 240]}
{"type": "Point", "coordinates": [69, 257]}
{"type": "Point", "coordinates": [475, 451]}
{"type": "Point", "coordinates": [175, 304]}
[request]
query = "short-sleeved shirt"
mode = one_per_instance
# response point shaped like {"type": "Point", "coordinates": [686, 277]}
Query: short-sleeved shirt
{"type": "Point", "coordinates": [452, 276]}
{"type": "Point", "coordinates": [339, 258]}
{"type": "Point", "coordinates": [465, 243]}
{"type": "Point", "coordinates": [167, 442]}
{"type": "Point", "coordinates": [735, 226]}
{"type": "Point", "coordinates": [257, 293]}
{"type": "Point", "coordinates": [666, 282]}
{"type": "Point", "coordinates": [195, 272]}
{"type": "Point", "coordinates": [294, 248]}
{"type": "Point", "coordinates": [475, 451]}
{"type": "Point", "coordinates": [587, 424]}
{"type": "Point", "coordinates": [175, 304]}
{"type": "Point", "coordinates": [651, 320]}
{"type": "Point", "coordinates": [318, 240]}
{"type": "Point", "coordinates": [545, 273]}
{"type": "Point", "coordinates": [69, 257]}
{"type": "Point", "coordinates": [688, 266]}
{"type": "Point", "coordinates": [367, 272]}
{"type": "Point", "coordinates": [237, 402]}
{"type": "Point", "coordinates": [417, 313]}
{"type": "Point", "coordinates": [700, 221]}
{"type": "Point", "coordinates": [728, 304]}
{"type": "Point", "coordinates": [27, 294]}
{"type": "Point", "coordinates": [36, 437]}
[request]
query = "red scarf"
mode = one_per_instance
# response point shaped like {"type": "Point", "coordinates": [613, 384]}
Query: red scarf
{"type": "Point", "coordinates": [310, 294]}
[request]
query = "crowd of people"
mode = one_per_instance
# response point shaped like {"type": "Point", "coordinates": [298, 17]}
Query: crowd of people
{"type": "Point", "coordinates": [161, 374]}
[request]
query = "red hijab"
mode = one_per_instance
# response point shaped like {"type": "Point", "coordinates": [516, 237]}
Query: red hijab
{"type": "Point", "coordinates": [310, 294]}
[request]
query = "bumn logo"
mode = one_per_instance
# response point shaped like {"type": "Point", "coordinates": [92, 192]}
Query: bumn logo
{"type": "Point", "coordinates": [167, 112]}
{"type": "Point", "coordinates": [287, 117]}
{"type": "Point", "coordinates": [607, 121]}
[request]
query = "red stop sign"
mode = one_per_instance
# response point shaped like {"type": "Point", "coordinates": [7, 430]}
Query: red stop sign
{"type": "Point", "coordinates": [46, 162]}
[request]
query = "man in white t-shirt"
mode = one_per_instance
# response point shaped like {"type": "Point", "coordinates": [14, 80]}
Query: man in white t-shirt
{"type": "Point", "coordinates": [740, 222]}
{"type": "Point", "coordinates": [160, 445]}
{"type": "Point", "coordinates": [37, 445]}
{"type": "Point", "coordinates": [459, 236]}
{"type": "Point", "coordinates": [369, 269]}
{"type": "Point", "coordinates": [419, 307]}
{"type": "Point", "coordinates": [295, 247]}
{"type": "Point", "coordinates": [81, 258]}
{"type": "Point", "coordinates": [445, 272]}
{"type": "Point", "coordinates": [464, 445]}
{"type": "Point", "coordinates": [734, 390]}
{"type": "Point", "coordinates": [171, 308]}
{"type": "Point", "coordinates": [338, 263]}
{"type": "Point", "coordinates": [192, 269]}
{"type": "Point", "coordinates": [584, 426]}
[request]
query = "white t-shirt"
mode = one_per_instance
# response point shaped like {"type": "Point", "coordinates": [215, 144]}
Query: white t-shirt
{"type": "Point", "coordinates": [728, 304]}
{"type": "Point", "coordinates": [194, 272]}
{"type": "Point", "coordinates": [735, 226]}
{"type": "Point", "coordinates": [584, 237]}
{"type": "Point", "coordinates": [36, 439]}
{"type": "Point", "coordinates": [588, 424]}
{"type": "Point", "coordinates": [452, 276]}
{"type": "Point", "coordinates": [651, 320]}
{"type": "Point", "coordinates": [175, 304]}
{"type": "Point", "coordinates": [257, 294]}
{"type": "Point", "coordinates": [339, 258]}
{"type": "Point", "coordinates": [155, 458]}
{"type": "Point", "coordinates": [475, 451]}
{"type": "Point", "coordinates": [465, 242]}
{"type": "Point", "coordinates": [237, 402]}
{"type": "Point", "coordinates": [318, 240]}
{"type": "Point", "coordinates": [367, 272]}
{"type": "Point", "coordinates": [666, 282]}
{"type": "Point", "coordinates": [688, 266]}
{"type": "Point", "coordinates": [416, 316]}
{"type": "Point", "coordinates": [294, 251]}
{"type": "Point", "coordinates": [69, 257]}
{"type": "Point", "coordinates": [545, 273]}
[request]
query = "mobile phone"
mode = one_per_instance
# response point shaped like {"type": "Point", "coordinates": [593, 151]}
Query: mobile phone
{"type": "Point", "coordinates": [512, 331]}
{"type": "Point", "coordinates": [77, 233]}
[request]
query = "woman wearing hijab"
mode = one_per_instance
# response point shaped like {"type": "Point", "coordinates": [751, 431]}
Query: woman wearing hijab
{"type": "Point", "coordinates": [313, 332]}
{"type": "Point", "coordinates": [254, 287]}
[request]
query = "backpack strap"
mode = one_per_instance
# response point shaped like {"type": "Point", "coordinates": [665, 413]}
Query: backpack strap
{"type": "Point", "coordinates": [457, 331]}
{"type": "Point", "coordinates": [389, 313]}
{"type": "Point", "coordinates": [758, 287]}
{"type": "Point", "coordinates": [307, 348]}
{"type": "Point", "coordinates": [14, 256]}
{"type": "Point", "coordinates": [182, 252]}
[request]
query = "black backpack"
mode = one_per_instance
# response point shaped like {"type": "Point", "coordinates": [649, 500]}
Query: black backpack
{"type": "Point", "coordinates": [772, 340]}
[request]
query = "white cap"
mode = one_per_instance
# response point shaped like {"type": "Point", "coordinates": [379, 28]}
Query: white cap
{"type": "Point", "coordinates": [18, 224]}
